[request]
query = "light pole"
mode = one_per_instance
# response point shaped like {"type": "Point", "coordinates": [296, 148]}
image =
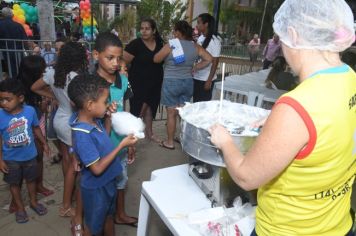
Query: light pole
{"type": "Point", "coordinates": [263, 17]}
{"type": "Point", "coordinates": [216, 13]}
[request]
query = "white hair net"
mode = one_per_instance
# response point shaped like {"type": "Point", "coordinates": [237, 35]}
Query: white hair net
{"type": "Point", "coordinates": [315, 24]}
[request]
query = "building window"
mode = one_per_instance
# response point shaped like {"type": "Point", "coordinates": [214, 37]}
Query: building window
{"type": "Point", "coordinates": [117, 9]}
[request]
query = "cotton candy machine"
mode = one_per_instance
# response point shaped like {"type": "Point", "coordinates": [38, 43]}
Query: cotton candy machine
{"type": "Point", "coordinates": [206, 164]}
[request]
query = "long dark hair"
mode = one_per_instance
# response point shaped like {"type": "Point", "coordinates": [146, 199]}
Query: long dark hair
{"type": "Point", "coordinates": [184, 28]}
{"type": "Point", "coordinates": [279, 65]}
{"type": "Point", "coordinates": [31, 69]}
{"type": "Point", "coordinates": [153, 26]}
{"type": "Point", "coordinates": [72, 57]}
{"type": "Point", "coordinates": [207, 18]}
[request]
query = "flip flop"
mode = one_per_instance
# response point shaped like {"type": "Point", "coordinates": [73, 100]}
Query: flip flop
{"type": "Point", "coordinates": [39, 209]}
{"type": "Point", "coordinates": [164, 145]}
{"type": "Point", "coordinates": [132, 224]}
{"type": "Point", "coordinates": [46, 193]}
{"type": "Point", "coordinates": [21, 217]}
{"type": "Point", "coordinates": [155, 139]}
{"type": "Point", "coordinates": [69, 212]}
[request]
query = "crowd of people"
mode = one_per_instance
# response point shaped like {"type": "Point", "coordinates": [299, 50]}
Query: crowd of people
{"type": "Point", "coordinates": [62, 90]}
{"type": "Point", "coordinates": [308, 135]}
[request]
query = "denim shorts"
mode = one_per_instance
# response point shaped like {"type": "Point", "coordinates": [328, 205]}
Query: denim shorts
{"type": "Point", "coordinates": [122, 178]}
{"type": "Point", "coordinates": [19, 170]}
{"type": "Point", "coordinates": [176, 92]}
{"type": "Point", "coordinates": [98, 204]}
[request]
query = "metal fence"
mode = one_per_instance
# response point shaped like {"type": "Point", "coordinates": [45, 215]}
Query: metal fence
{"type": "Point", "coordinates": [240, 51]}
{"type": "Point", "coordinates": [12, 51]}
{"type": "Point", "coordinates": [236, 57]}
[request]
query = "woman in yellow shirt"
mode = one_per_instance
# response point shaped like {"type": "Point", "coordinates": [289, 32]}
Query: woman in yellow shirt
{"type": "Point", "coordinates": [303, 162]}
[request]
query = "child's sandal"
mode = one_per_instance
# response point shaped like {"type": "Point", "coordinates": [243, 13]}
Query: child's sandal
{"type": "Point", "coordinates": [40, 209]}
{"type": "Point", "coordinates": [21, 217]}
{"type": "Point", "coordinates": [69, 212]}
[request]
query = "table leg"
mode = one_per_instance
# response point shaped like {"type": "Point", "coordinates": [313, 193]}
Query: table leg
{"type": "Point", "coordinates": [144, 213]}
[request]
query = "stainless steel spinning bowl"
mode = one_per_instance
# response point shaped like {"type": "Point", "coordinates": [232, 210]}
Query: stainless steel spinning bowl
{"type": "Point", "coordinates": [196, 141]}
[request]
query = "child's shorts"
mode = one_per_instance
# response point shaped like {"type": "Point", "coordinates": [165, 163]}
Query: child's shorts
{"type": "Point", "coordinates": [176, 92]}
{"type": "Point", "coordinates": [19, 170]}
{"type": "Point", "coordinates": [122, 178]}
{"type": "Point", "coordinates": [98, 203]}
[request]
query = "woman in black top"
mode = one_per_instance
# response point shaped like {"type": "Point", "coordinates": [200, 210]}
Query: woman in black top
{"type": "Point", "coordinates": [145, 76]}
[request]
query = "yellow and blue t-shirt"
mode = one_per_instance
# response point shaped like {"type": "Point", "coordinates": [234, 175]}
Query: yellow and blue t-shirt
{"type": "Point", "coordinates": [312, 196]}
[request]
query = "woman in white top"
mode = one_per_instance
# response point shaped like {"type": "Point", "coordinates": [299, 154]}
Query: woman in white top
{"type": "Point", "coordinates": [72, 59]}
{"type": "Point", "coordinates": [211, 43]}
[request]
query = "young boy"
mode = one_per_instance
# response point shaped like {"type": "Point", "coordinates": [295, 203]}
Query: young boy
{"type": "Point", "coordinates": [108, 52]}
{"type": "Point", "coordinates": [18, 152]}
{"type": "Point", "coordinates": [96, 152]}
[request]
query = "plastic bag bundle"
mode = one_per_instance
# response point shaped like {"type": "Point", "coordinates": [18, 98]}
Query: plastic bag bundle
{"type": "Point", "coordinates": [319, 24]}
{"type": "Point", "coordinates": [125, 123]}
{"type": "Point", "coordinates": [220, 221]}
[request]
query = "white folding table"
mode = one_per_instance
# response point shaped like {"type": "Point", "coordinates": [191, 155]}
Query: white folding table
{"type": "Point", "coordinates": [173, 194]}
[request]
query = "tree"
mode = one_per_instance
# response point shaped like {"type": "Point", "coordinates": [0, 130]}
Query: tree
{"type": "Point", "coordinates": [165, 13]}
{"type": "Point", "coordinates": [244, 21]}
{"type": "Point", "coordinates": [46, 19]}
{"type": "Point", "coordinates": [125, 24]}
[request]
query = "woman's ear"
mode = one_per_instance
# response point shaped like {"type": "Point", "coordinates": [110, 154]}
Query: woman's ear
{"type": "Point", "coordinates": [293, 36]}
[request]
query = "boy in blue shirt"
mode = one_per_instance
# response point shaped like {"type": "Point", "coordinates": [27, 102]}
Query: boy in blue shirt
{"type": "Point", "coordinates": [96, 152]}
{"type": "Point", "coordinates": [18, 152]}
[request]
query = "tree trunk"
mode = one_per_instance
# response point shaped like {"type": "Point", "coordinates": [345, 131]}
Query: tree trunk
{"type": "Point", "coordinates": [46, 19]}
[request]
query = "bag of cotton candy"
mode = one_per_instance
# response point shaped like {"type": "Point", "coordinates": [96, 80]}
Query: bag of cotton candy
{"type": "Point", "coordinates": [125, 123]}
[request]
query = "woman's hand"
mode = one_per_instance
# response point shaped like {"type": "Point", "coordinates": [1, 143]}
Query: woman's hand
{"type": "Point", "coordinates": [207, 85]}
{"type": "Point", "coordinates": [220, 136]}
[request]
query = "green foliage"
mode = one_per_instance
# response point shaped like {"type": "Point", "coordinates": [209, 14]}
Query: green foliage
{"type": "Point", "coordinates": [124, 24]}
{"type": "Point", "coordinates": [165, 13]}
{"type": "Point", "coordinates": [103, 23]}
{"type": "Point", "coordinates": [232, 17]}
